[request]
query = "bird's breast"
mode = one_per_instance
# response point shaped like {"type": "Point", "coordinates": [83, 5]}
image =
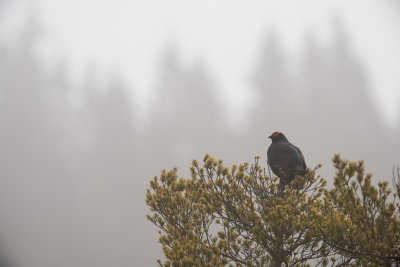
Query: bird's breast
{"type": "Point", "coordinates": [278, 153]}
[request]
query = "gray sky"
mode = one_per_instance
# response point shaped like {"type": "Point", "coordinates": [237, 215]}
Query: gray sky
{"type": "Point", "coordinates": [128, 37]}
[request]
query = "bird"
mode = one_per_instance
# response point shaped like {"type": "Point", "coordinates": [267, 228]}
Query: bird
{"type": "Point", "coordinates": [285, 160]}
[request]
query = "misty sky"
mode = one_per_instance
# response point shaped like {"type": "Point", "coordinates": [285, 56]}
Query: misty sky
{"type": "Point", "coordinates": [128, 37]}
{"type": "Point", "coordinates": [76, 158]}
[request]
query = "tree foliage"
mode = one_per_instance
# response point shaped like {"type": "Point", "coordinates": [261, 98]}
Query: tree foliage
{"type": "Point", "coordinates": [364, 226]}
{"type": "Point", "coordinates": [239, 216]}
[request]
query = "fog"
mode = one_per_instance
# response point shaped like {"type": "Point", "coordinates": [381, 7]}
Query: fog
{"type": "Point", "coordinates": [76, 156]}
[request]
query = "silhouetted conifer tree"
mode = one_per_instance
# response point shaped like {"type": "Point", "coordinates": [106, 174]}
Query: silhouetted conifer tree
{"type": "Point", "coordinates": [273, 82]}
{"type": "Point", "coordinates": [111, 168]}
{"type": "Point", "coordinates": [33, 163]}
{"type": "Point", "coordinates": [188, 115]}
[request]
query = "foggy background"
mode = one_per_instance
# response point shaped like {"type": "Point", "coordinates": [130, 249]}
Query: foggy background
{"type": "Point", "coordinates": [97, 97]}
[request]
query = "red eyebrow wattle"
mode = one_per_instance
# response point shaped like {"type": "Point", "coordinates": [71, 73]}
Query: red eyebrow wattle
{"type": "Point", "coordinates": [275, 133]}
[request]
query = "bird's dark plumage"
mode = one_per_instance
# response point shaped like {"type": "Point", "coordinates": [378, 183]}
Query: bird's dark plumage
{"type": "Point", "coordinates": [285, 160]}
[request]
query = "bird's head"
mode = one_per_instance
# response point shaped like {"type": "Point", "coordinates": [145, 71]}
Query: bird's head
{"type": "Point", "coordinates": [277, 137]}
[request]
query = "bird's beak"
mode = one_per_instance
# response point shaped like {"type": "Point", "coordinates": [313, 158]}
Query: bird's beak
{"type": "Point", "coordinates": [270, 136]}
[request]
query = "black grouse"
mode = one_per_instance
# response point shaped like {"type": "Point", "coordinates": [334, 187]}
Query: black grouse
{"type": "Point", "coordinates": [285, 160]}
